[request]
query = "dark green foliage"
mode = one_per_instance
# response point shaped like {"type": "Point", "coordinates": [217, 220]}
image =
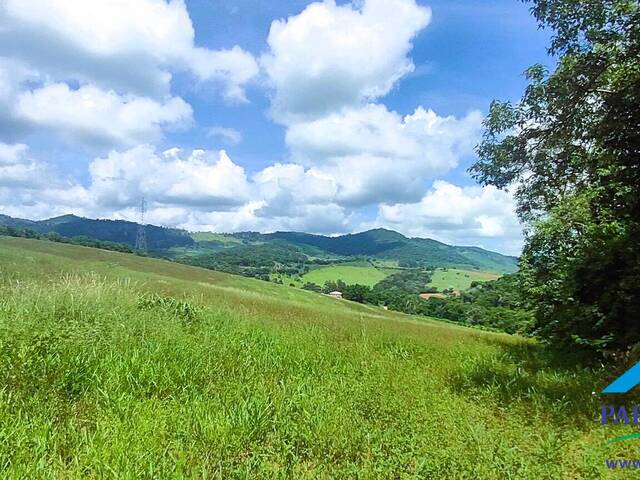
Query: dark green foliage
{"type": "Point", "coordinates": [408, 281]}
{"type": "Point", "coordinates": [497, 304]}
{"type": "Point", "coordinates": [583, 275]}
{"type": "Point", "coordinates": [356, 293]}
{"type": "Point", "coordinates": [118, 231]}
{"type": "Point", "coordinates": [19, 223]}
{"type": "Point", "coordinates": [180, 308]}
{"type": "Point", "coordinates": [390, 245]}
{"type": "Point", "coordinates": [253, 260]}
{"type": "Point", "coordinates": [312, 287]}
{"type": "Point", "coordinates": [366, 243]}
{"type": "Point", "coordinates": [91, 242]}
{"type": "Point", "coordinates": [337, 286]}
{"type": "Point", "coordinates": [56, 237]}
{"type": "Point", "coordinates": [572, 148]}
{"type": "Point", "coordinates": [413, 264]}
{"type": "Point", "coordinates": [10, 231]}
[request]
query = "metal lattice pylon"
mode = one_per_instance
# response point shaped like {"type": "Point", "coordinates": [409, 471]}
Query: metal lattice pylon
{"type": "Point", "coordinates": [141, 237]}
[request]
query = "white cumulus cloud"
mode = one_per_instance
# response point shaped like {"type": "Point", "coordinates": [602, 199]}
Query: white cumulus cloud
{"type": "Point", "coordinates": [228, 135]}
{"type": "Point", "coordinates": [474, 215]}
{"type": "Point", "coordinates": [35, 189]}
{"type": "Point", "coordinates": [376, 155]}
{"type": "Point", "coordinates": [327, 66]}
{"type": "Point", "coordinates": [100, 72]}
{"type": "Point", "coordinates": [120, 44]}
{"type": "Point", "coordinates": [196, 179]}
{"type": "Point", "coordinates": [330, 56]}
{"type": "Point", "coordinates": [92, 115]}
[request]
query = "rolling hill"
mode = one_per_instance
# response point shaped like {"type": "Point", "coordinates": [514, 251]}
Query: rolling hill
{"type": "Point", "coordinates": [120, 366]}
{"type": "Point", "coordinates": [121, 231]}
{"type": "Point", "coordinates": [379, 243]}
{"type": "Point", "coordinates": [390, 245]}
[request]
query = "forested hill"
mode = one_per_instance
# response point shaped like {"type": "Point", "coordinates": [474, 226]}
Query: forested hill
{"type": "Point", "coordinates": [390, 245]}
{"type": "Point", "coordinates": [121, 231]}
{"type": "Point", "coordinates": [379, 243]}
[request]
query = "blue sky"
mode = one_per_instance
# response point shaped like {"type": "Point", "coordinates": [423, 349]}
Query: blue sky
{"type": "Point", "coordinates": [323, 117]}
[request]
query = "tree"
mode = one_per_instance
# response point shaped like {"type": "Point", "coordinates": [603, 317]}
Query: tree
{"type": "Point", "coordinates": [571, 150]}
{"type": "Point", "coordinates": [356, 293]}
{"type": "Point", "coordinates": [311, 287]}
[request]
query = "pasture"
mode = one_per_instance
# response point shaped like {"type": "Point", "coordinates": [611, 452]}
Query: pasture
{"type": "Point", "coordinates": [459, 279]}
{"type": "Point", "coordinates": [350, 274]}
{"type": "Point", "coordinates": [119, 366]}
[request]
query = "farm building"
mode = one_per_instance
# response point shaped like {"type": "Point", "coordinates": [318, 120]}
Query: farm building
{"type": "Point", "coordinates": [335, 294]}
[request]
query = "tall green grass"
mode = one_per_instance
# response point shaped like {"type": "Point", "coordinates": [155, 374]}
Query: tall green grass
{"type": "Point", "coordinates": [115, 366]}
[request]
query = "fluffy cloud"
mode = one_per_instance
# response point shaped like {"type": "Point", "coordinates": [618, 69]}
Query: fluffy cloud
{"type": "Point", "coordinates": [196, 179]}
{"type": "Point", "coordinates": [12, 154]}
{"type": "Point", "coordinates": [91, 115]}
{"type": "Point", "coordinates": [234, 68]}
{"type": "Point", "coordinates": [201, 190]}
{"type": "Point", "coordinates": [117, 44]}
{"type": "Point", "coordinates": [478, 215]}
{"type": "Point", "coordinates": [376, 155]}
{"type": "Point", "coordinates": [328, 218]}
{"type": "Point", "coordinates": [206, 190]}
{"type": "Point", "coordinates": [196, 189]}
{"type": "Point", "coordinates": [330, 56]}
{"type": "Point", "coordinates": [99, 72]}
{"type": "Point", "coordinates": [228, 135]}
{"type": "Point", "coordinates": [29, 185]}
{"type": "Point", "coordinates": [287, 187]}
{"type": "Point", "coordinates": [17, 170]}
{"type": "Point", "coordinates": [293, 198]}
{"type": "Point", "coordinates": [326, 65]}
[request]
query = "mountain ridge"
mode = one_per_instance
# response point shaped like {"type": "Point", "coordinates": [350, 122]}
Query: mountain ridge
{"type": "Point", "coordinates": [378, 243]}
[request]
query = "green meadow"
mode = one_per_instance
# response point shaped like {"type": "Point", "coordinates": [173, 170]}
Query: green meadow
{"type": "Point", "coordinates": [215, 237]}
{"type": "Point", "coordinates": [119, 366]}
{"type": "Point", "coordinates": [350, 274]}
{"type": "Point", "coordinates": [458, 279]}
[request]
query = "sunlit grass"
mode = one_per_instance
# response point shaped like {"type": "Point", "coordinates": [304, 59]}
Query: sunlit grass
{"type": "Point", "coordinates": [350, 274]}
{"type": "Point", "coordinates": [117, 366]}
{"type": "Point", "coordinates": [458, 279]}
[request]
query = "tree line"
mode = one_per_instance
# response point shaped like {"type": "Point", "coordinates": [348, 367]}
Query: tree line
{"type": "Point", "coordinates": [81, 240]}
{"type": "Point", "coordinates": [570, 152]}
{"type": "Point", "coordinates": [496, 304]}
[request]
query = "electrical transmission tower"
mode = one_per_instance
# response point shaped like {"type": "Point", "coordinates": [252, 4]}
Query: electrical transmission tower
{"type": "Point", "coordinates": [141, 237]}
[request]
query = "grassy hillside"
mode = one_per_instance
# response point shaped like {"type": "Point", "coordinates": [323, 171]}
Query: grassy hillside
{"type": "Point", "coordinates": [350, 274]}
{"type": "Point", "coordinates": [118, 366]}
{"type": "Point", "coordinates": [458, 279]}
{"type": "Point", "coordinates": [488, 260]}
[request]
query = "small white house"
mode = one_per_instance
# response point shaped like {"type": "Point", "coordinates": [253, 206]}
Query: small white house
{"type": "Point", "coordinates": [335, 294]}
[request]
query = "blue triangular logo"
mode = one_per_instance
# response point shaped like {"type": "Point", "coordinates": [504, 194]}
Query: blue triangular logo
{"type": "Point", "coordinates": [626, 381]}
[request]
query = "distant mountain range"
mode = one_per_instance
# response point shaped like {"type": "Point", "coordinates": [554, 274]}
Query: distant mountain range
{"type": "Point", "coordinates": [379, 243]}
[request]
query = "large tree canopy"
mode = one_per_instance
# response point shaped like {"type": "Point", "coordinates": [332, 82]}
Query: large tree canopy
{"type": "Point", "coordinates": [570, 150]}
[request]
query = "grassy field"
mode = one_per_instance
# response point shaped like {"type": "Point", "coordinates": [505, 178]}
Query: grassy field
{"type": "Point", "coordinates": [118, 366]}
{"type": "Point", "coordinates": [350, 274]}
{"type": "Point", "coordinates": [459, 279]}
{"type": "Point", "coordinates": [215, 237]}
